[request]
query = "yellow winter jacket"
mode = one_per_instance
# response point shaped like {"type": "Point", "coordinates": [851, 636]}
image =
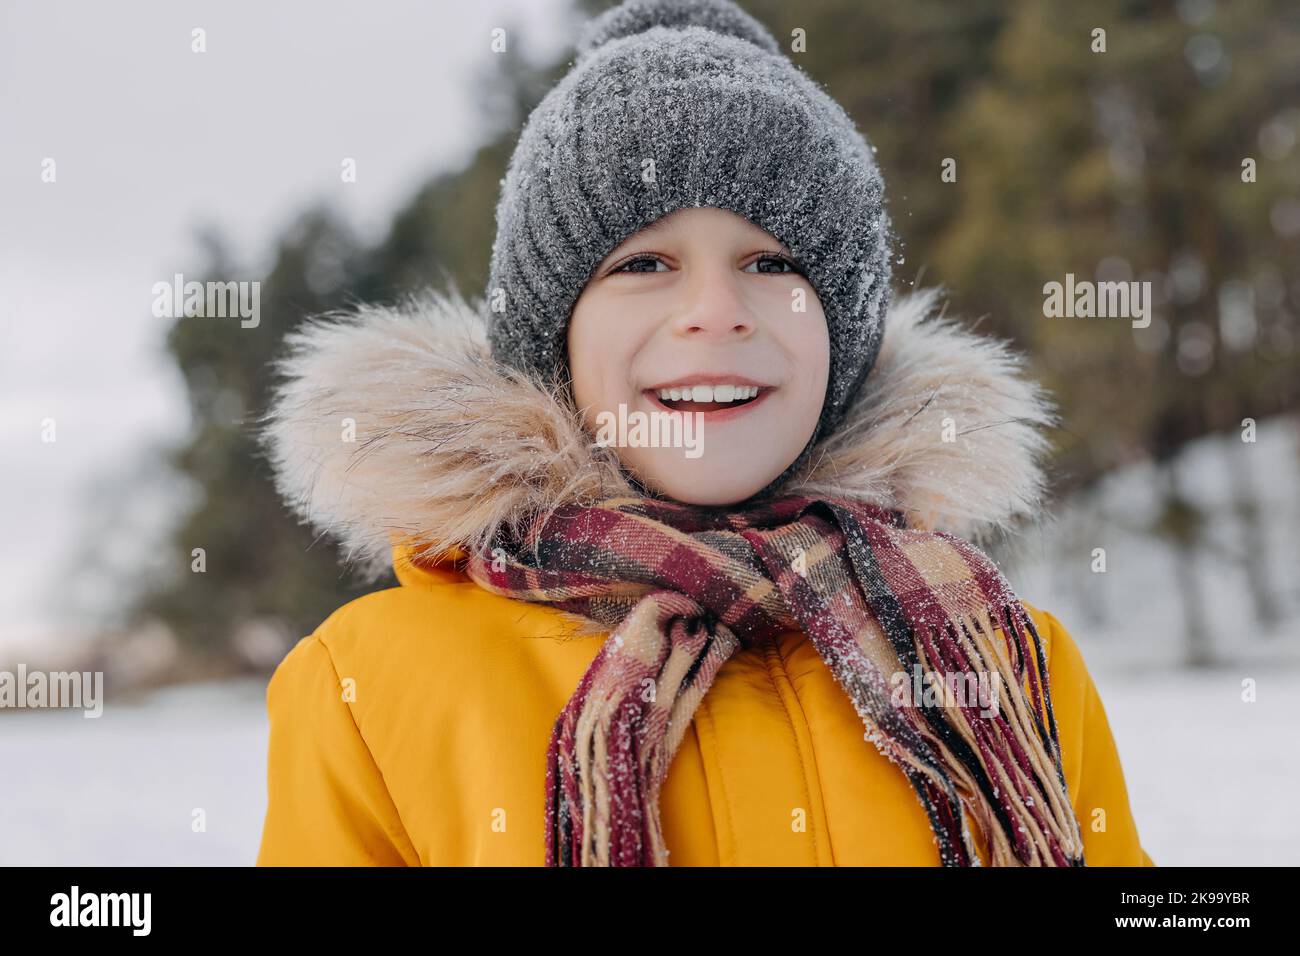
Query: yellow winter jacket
{"type": "Point", "coordinates": [412, 726]}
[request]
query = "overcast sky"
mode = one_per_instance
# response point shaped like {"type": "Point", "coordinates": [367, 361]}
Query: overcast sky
{"type": "Point", "coordinates": [150, 139]}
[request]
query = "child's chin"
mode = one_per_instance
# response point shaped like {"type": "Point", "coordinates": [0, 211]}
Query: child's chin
{"type": "Point", "coordinates": [711, 479]}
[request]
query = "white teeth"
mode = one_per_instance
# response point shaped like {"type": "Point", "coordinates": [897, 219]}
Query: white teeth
{"type": "Point", "coordinates": [709, 393]}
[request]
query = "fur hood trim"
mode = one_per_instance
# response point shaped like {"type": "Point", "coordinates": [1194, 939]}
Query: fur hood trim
{"type": "Point", "coordinates": [392, 426]}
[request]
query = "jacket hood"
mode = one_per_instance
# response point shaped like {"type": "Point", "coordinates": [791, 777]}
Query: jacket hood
{"type": "Point", "coordinates": [392, 427]}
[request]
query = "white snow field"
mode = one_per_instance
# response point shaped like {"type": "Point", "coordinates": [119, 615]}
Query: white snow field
{"type": "Point", "coordinates": [1209, 777]}
{"type": "Point", "coordinates": [122, 789]}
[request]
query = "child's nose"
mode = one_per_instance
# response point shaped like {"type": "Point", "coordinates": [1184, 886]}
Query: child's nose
{"type": "Point", "coordinates": [713, 306]}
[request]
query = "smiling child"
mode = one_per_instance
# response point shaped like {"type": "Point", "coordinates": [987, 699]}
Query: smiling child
{"type": "Point", "coordinates": [785, 650]}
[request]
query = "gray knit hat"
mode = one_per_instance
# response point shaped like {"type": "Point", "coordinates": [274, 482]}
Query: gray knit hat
{"type": "Point", "coordinates": [702, 89]}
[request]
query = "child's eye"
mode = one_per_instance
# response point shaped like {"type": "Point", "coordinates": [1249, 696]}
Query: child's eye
{"type": "Point", "coordinates": [638, 263]}
{"type": "Point", "coordinates": [764, 263]}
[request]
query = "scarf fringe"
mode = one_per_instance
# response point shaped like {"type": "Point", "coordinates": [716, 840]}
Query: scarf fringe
{"type": "Point", "coordinates": [1026, 815]}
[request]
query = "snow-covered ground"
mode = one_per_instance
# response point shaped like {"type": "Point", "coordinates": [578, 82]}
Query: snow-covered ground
{"type": "Point", "coordinates": [1210, 778]}
{"type": "Point", "coordinates": [122, 789]}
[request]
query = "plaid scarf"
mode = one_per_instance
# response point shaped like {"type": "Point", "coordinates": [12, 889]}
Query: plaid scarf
{"type": "Point", "coordinates": [681, 588]}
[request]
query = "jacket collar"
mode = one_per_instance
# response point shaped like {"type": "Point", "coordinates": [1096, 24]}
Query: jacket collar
{"type": "Point", "coordinates": [392, 430]}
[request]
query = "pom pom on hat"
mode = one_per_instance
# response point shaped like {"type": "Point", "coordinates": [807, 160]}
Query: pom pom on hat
{"type": "Point", "coordinates": [637, 16]}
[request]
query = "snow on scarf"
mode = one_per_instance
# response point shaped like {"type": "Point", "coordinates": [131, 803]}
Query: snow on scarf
{"type": "Point", "coordinates": [681, 588]}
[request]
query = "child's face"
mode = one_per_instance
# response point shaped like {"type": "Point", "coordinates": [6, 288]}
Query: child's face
{"type": "Point", "coordinates": [701, 298]}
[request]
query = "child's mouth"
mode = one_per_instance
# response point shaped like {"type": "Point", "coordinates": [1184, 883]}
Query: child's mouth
{"type": "Point", "coordinates": [714, 401]}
